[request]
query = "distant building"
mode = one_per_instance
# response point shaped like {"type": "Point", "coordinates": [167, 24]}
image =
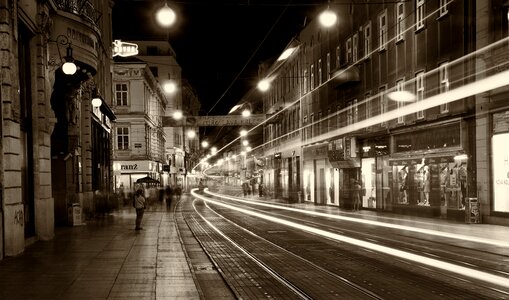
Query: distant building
{"type": "Point", "coordinates": [139, 139]}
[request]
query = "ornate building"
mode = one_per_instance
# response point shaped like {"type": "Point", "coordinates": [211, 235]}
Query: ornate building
{"type": "Point", "coordinates": [55, 146]}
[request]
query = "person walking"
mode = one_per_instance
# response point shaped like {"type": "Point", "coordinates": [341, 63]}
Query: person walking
{"type": "Point", "coordinates": [139, 204]}
{"type": "Point", "coordinates": [169, 193]}
{"type": "Point", "coordinates": [178, 191]}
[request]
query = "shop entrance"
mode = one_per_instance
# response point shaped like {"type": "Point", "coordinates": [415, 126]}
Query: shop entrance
{"type": "Point", "coordinates": [368, 182]}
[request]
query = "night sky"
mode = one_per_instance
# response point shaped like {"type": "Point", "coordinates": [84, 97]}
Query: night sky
{"type": "Point", "coordinates": [214, 40]}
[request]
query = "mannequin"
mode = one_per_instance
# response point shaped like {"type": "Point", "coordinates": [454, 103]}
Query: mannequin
{"type": "Point", "coordinates": [426, 185]}
{"type": "Point", "coordinates": [403, 187]}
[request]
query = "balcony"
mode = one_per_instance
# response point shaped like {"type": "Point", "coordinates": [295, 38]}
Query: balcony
{"type": "Point", "coordinates": [82, 8]}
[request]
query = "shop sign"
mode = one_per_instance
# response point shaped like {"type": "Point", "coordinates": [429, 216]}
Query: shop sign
{"type": "Point", "coordinates": [316, 152]}
{"type": "Point", "coordinates": [501, 122]}
{"type": "Point", "coordinates": [124, 49]}
{"type": "Point", "coordinates": [136, 166]}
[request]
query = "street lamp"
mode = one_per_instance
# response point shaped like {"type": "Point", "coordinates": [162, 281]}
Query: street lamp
{"type": "Point", "coordinates": [243, 132]}
{"type": "Point", "coordinates": [204, 144]}
{"type": "Point", "coordinates": [166, 16]}
{"type": "Point", "coordinates": [246, 113]}
{"type": "Point", "coordinates": [170, 87]}
{"type": "Point", "coordinates": [328, 18]}
{"type": "Point", "coordinates": [178, 115]}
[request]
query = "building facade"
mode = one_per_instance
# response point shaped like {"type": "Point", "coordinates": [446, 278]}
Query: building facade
{"type": "Point", "coordinates": [429, 155]}
{"type": "Point", "coordinates": [139, 141]}
{"type": "Point", "coordinates": [51, 134]}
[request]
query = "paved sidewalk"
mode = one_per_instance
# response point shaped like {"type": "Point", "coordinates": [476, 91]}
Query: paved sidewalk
{"type": "Point", "coordinates": [104, 259]}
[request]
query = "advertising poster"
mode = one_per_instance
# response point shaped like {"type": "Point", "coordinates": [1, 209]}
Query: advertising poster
{"type": "Point", "coordinates": [500, 148]}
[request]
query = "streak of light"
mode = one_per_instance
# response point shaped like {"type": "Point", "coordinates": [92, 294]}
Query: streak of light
{"type": "Point", "coordinates": [423, 260]}
{"type": "Point", "coordinates": [374, 223]}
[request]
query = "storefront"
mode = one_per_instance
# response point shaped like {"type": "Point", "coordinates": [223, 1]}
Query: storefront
{"type": "Point", "coordinates": [375, 173]}
{"type": "Point", "coordinates": [428, 173]}
{"type": "Point", "coordinates": [317, 174]}
{"type": "Point", "coordinates": [127, 172]}
{"type": "Point", "coordinates": [345, 166]}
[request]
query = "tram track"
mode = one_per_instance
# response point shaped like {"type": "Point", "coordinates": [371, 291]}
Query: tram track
{"type": "Point", "coordinates": [380, 296]}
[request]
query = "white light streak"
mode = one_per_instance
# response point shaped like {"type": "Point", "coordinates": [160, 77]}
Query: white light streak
{"type": "Point", "coordinates": [423, 260]}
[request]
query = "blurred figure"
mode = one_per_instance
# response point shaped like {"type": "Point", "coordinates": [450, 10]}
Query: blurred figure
{"type": "Point", "coordinates": [178, 191]}
{"type": "Point", "coordinates": [356, 195]}
{"type": "Point", "coordinates": [139, 204]}
{"type": "Point", "coordinates": [260, 189]}
{"type": "Point", "coordinates": [169, 194]}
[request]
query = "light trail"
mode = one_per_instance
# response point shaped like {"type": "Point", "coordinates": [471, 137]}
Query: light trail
{"type": "Point", "coordinates": [423, 260]}
{"type": "Point", "coordinates": [375, 223]}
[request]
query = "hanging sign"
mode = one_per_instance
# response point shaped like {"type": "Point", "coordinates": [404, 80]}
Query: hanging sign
{"type": "Point", "coordinates": [124, 49]}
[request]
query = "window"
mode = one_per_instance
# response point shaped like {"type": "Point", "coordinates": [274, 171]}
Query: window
{"type": "Point", "coordinates": [305, 81]}
{"type": "Point", "coordinates": [399, 88]}
{"type": "Point", "coordinates": [355, 111]}
{"type": "Point", "coordinates": [349, 114]}
{"type": "Point", "coordinates": [443, 8]}
{"type": "Point", "coordinates": [338, 57]}
{"type": "Point", "coordinates": [319, 124]}
{"type": "Point", "coordinates": [444, 85]}
{"type": "Point", "coordinates": [152, 50]}
{"type": "Point", "coordinates": [419, 91]}
{"type": "Point", "coordinates": [383, 102]}
{"type": "Point", "coordinates": [419, 14]}
{"type": "Point", "coordinates": [349, 50]}
{"type": "Point", "coordinates": [312, 77]}
{"type": "Point", "coordinates": [311, 128]}
{"type": "Point", "coordinates": [355, 50]}
{"type": "Point", "coordinates": [320, 78]}
{"type": "Point", "coordinates": [155, 71]}
{"type": "Point", "coordinates": [382, 30]}
{"type": "Point", "coordinates": [367, 39]}
{"type": "Point", "coordinates": [369, 105]}
{"type": "Point", "coordinates": [121, 94]}
{"type": "Point", "coordinates": [304, 124]}
{"type": "Point", "coordinates": [328, 66]}
{"type": "Point", "coordinates": [123, 138]}
{"type": "Point", "coordinates": [338, 117]}
{"type": "Point", "coordinates": [400, 21]}
{"type": "Point", "coordinates": [329, 120]}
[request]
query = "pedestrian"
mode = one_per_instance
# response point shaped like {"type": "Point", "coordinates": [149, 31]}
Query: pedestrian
{"type": "Point", "coordinates": [169, 193]}
{"type": "Point", "coordinates": [356, 195]}
{"type": "Point", "coordinates": [178, 191]}
{"type": "Point", "coordinates": [139, 204]}
{"type": "Point", "coordinates": [260, 189]}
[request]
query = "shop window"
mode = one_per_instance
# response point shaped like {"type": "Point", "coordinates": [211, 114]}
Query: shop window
{"type": "Point", "coordinates": [152, 51]}
{"type": "Point", "coordinates": [382, 30]}
{"type": "Point", "coordinates": [123, 138]}
{"type": "Point", "coordinates": [121, 94]}
{"type": "Point", "coordinates": [400, 21]}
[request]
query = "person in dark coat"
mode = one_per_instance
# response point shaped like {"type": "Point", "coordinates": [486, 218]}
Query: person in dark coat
{"type": "Point", "coordinates": [168, 191]}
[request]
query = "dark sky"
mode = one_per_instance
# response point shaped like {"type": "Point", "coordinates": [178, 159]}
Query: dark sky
{"type": "Point", "coordinates": [214, 40]}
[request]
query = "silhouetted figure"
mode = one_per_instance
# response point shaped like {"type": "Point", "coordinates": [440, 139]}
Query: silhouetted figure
{"type": "Point", "coordinates": [168, 191]}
